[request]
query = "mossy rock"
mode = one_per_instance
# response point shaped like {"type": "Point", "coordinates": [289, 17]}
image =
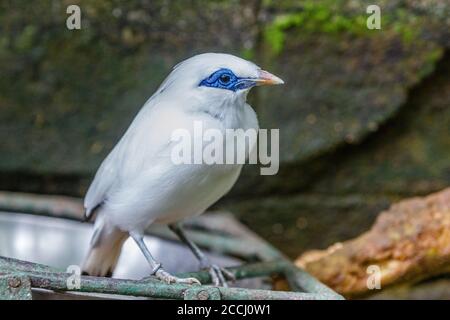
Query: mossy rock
{"type": "Point", "coordinates": [67, 96]}
{"type": "Point", "coordinates": [343, 81]}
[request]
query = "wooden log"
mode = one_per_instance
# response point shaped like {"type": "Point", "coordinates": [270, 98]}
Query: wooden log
{"type": "Point", "coordinates": [408, 242]}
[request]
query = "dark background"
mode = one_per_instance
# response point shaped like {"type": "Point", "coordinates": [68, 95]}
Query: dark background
{"type": "Point", "coordinates": [364, 116]}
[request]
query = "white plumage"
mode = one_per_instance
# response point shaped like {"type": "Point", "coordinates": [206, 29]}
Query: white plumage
{"type": "Point", "coordinates": [139, 184]}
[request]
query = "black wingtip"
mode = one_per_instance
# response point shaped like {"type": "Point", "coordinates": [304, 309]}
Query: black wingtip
{"type": "Point", "coordinates": [86, 217]}
{"type": "Point", "coordinates": [88, 214]}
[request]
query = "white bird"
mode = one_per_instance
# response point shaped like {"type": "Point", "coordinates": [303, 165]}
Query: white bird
{"type": "Point", "coordinates": [138, 184]}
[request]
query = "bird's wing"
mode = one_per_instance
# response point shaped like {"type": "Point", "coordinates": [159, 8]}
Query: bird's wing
{"type": "Point", "coordinates": [116, 162]}
{"type": "Point", "coordinates": [147, 138]}
{"type": "Point", "coordinates": [111, 169]}
{"type": "Point", "coordinates": [103, 181]}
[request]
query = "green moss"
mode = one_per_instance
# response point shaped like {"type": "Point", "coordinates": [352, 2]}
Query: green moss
{"type": "Point", "coordinates": [25, 40]}
{"type": "Point", "coordinates": [430, 61]}
{"type": "Point", "coordinates": [435, 55]}
{"type": "Point", "coordinates": [333, 18]}
{"type": "Point", "coordinates": [315, 17]}
{"type": "Point", "coordinates": [248, 54]}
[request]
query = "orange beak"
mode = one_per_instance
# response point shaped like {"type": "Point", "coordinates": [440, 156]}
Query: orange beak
{"type": "Point", "coordinates": [266, 78]}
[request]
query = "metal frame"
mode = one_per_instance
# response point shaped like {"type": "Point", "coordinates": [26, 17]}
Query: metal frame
{"type": "Point", "coordinates": [17, 277]}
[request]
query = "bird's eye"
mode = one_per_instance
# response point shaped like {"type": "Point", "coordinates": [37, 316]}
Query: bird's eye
{"type": "Point", "coordinates": [225, 78]}
{"type": "Point", "coordinates": [221, 79]}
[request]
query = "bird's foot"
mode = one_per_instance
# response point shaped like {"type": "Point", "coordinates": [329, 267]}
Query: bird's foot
{"type": "Point", "coordinates": [219, 275]}
{"type": "Point", "coordinates": [168, 278]}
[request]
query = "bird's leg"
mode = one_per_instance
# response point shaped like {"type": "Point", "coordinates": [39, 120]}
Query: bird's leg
{"type": "Point", "coordinates": [218, 274]}
{"type": "Point", "coordinates": [156, 267]}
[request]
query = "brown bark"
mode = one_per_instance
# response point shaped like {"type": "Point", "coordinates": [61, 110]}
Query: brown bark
{"type": "Point", "coordinates": [408, 242]}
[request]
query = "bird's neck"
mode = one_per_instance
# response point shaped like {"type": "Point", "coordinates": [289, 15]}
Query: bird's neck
{"type": "Point", "coordinates": [229, 110]}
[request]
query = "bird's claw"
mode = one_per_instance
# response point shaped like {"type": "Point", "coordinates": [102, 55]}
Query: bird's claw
{"type": "Point", "coordinates": [220, 275]}
{"type": "Point", "coordinates": [168, 278]}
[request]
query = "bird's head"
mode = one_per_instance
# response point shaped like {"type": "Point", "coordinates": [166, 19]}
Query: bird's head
{"type": "Point", "coordinates": [218, 75]}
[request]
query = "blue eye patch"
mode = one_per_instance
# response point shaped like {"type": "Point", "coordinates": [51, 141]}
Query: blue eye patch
{"type": "Point", "coordinates": [226, 79]}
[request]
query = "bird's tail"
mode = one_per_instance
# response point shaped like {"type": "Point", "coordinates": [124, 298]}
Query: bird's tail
{"type": "Point", "coordinates": [104, 250]}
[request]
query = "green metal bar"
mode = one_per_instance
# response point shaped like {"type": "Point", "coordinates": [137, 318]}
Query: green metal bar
{"type": "Point", "coordinates": [154, 289]}
{"type": "Point", "coordinates": [56, 206]}
{"type": "Point", "coordinates": [202, 293]}
{"type": "Point", "coordinates": [16, 265]}
{"type": "Point", "coordinates": [149, 287]}
{"type": "Point", "coordinates": [300, 280]}
{"type": "Point", "coordinates": [15, 288]}
{"type": "Point", "coordinates": [247, 247]}
{"type": "Point", "coordinates": [259, 269]}
{"type": "Point", "coordinates": [250, 249]}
